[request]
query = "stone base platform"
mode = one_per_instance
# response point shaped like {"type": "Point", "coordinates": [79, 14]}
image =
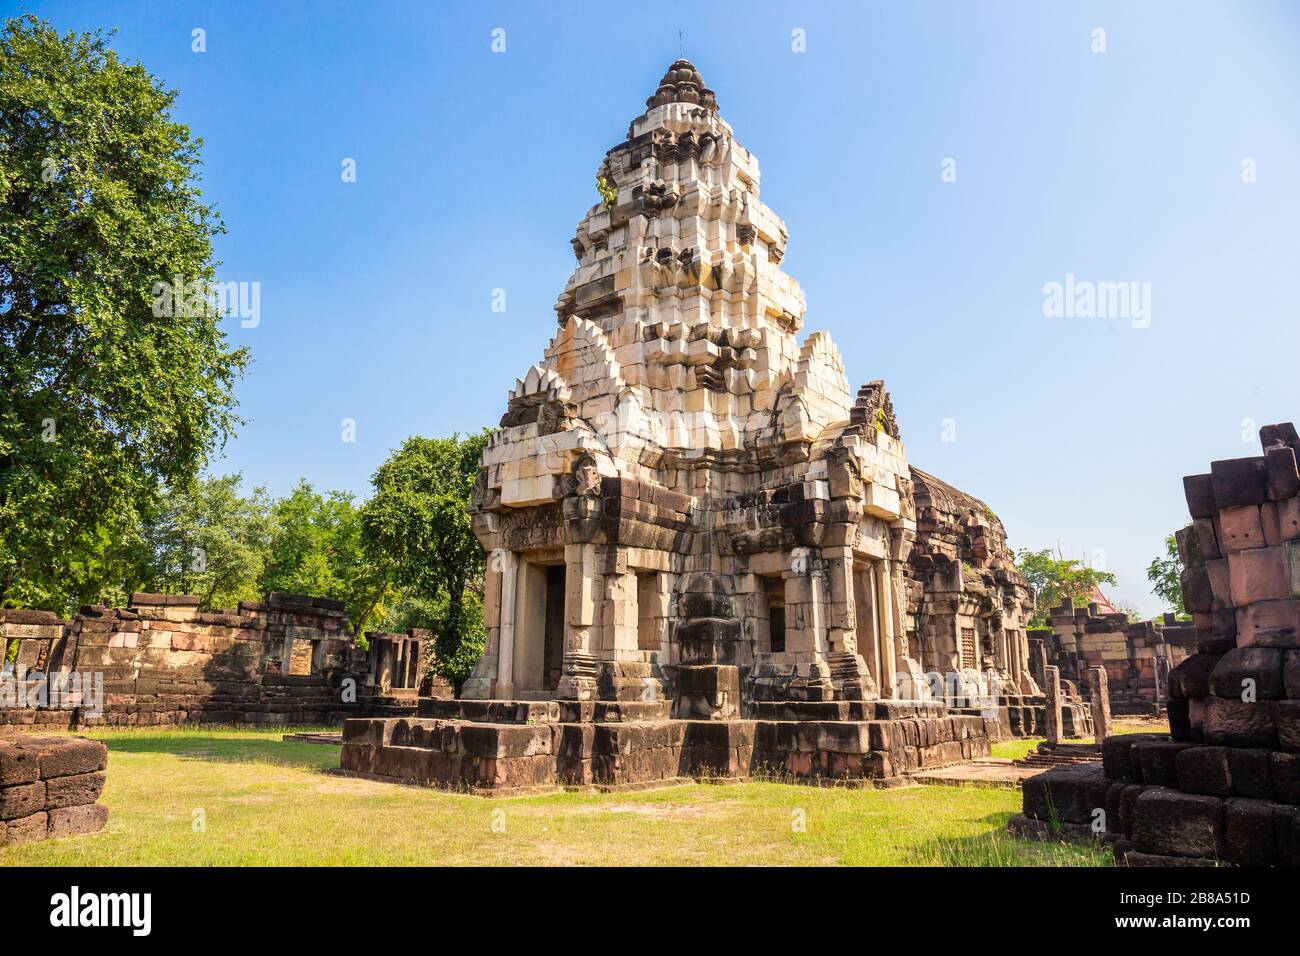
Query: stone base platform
{"type": "Point", "coordinates": [509, 746]}
{"type": "Point", "coordinates": [48, 788]}
{"type": "Point", "coordinates": [1161, 802]}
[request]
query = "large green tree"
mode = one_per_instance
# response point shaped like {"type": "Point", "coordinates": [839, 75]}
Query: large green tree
{"type": "Point", "coordinates": [316, 548]}
{"type": "Point", "coordinates": [418, 523]}
{"type": "Point", "coordinates": [107, 395]}
{"type": "Point", "coordinates": [1054, 578]}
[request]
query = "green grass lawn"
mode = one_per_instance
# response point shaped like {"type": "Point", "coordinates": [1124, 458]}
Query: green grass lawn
{"type": "Point", "coordinates": [199, 797]}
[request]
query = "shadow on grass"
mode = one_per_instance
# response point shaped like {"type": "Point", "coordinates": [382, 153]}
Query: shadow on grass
{"type": "Point", "coordinates": [213, 749]}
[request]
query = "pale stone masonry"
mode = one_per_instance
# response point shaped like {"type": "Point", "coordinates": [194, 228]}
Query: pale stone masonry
{"type": "Point", "coordinates": [684, 502]}
{"type": "Point", "coordinates": [708, 556]}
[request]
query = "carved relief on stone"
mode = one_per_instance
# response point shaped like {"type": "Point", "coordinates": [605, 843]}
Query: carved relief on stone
{"type": "Point", "coordinates": [874, 410]}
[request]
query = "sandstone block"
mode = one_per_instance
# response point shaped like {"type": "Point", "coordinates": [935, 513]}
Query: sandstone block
{"type": "Point", "coordinates": [1285, 771]}
{"type": "Point", "coordinates": [1199, 491]}
{"type": "Point", "coordinates": [1250, 672]}
{"type": "Point", "coordinates": [1286, 718]}
{"type": "Point", "coordinates": [1249, 835]}
{"type": "Point", "coordinates": [1283, 480]}
{"type": "Point", "coordinates": [1252, 774]}
{"type": "Point", "coordinates": [1269, 624]}
{"type": "Point", "coordinates": [1169, 823]}
{"type": "Point", "coordinates": [1239, 481]}
{"type": "Point", "coordinates": [26, 829]}
{"type": "Point", "coordinates": [1235, 723]}
{"type": "Point", "coordinates": [1258, 574]}
{"type": "Point", "coordinates": [72, 755]}
{"type": "Point", "coordinates": [21, 800]}
{"type": "Point", "coordinates": [1067, 794]}
{"type": "Point", "coordinates": [1191, 678]}
{"type": "Point", "coordinates": [17, 765]}
{"type": "Point", "coordinates": [73, 791]}
{"type": "Point", "coordinates": [71, 821]}
{"type": "Point", "coordinates": [1288, 519]}
{"type": "Point", "coordinates": [1158, 761]}
{"type": "Point", "coordinates": [1205, 770]}
{"type": "Point", "coordinates": [1241, 529]}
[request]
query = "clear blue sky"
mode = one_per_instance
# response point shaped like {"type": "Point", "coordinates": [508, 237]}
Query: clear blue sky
{"type": "Point", "coordinates": [473, 169]}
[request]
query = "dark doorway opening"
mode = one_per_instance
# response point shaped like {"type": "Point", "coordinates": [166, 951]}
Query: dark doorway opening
{"type": "Point", "coordinates": [553, 647]}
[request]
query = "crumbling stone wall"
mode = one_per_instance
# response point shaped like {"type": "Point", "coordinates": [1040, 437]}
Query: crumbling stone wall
{"type": "Point", "coordinates": [48, 788]}
{"type": "Point", "coordinates": [1137, 656]}
{"type": "Point", "coordinates": [967, 604]}
{"type": "Point", "coordinates": [286, 660]}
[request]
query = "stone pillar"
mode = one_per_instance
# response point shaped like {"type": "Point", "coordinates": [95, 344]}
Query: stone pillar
{"type": "Point", "coordinates": [506, 636]}
{"type": "Point", "coordinates": [842, 619]}
{"type": "Point", "coordinates": [1162, 681]}
{"type": "Point", "coordinates": [888, 655]}
{"type": "Point", "coordinates": [1038, 662]}
{"type": "Point", "coordinates": [849, 674]}
{"type": "Point", "coordinates": [1052, 689]}
{"type": "Point", "coordinates": [868, 620]}
{"type": "Point", "coordinates": [708, 680]}
{"type": "Point", "coordinates": [1100, 692]}
{"type": "Point", "coordinates": [582, 584]}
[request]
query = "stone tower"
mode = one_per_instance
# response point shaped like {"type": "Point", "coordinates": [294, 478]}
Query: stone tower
{"type": "Point", "coordinates": [683, 502]}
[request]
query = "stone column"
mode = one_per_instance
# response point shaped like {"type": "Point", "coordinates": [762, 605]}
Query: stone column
{"type": "Point", "coordinates": [582, 584]}
{"type": "Point", "coordinates": [1100, 692]}
{"type": "Point", "coordinates": [868, 619]}
{"type": "Point", "coordinates": [506, 635]}
{"type": "Point", "coordinates": [888, 655]}
{"type": "Point", "coordinates": [1038, 662]}
{"type": "Point", "coordinates": [1052, 689]}
{"type": "Point", "coordinates": [842, 617]}
{"type": "Point", "coordinates": [849, 674]}
{"type": "Point", "coordinates": [1162, 681]}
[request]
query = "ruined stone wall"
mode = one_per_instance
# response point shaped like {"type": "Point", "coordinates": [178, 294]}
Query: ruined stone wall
{"type": "Point", "coordinates": [1137, 656]}
{"type": "Point", "coordinates": [163, 661]}
{"type": "Point", "coordinates": [968, 606]}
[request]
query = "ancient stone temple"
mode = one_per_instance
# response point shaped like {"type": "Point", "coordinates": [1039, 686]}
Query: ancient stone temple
{"type": "Point", "coordinates": [707, 552]}
{"type": "Point", "coordinates": [683, 502]}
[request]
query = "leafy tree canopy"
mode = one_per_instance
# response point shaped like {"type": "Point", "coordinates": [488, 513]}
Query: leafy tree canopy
{"type": "Point", "coordinates": [1055, 578]}
{"type": "Point", "coordinates": [210, 541]}
{"type": "Point", "coordinates": [316, 548]}
{"type": "Point", "coordinates": [418, 523]}
{"type": "Point", "coordinates": [103, 401]}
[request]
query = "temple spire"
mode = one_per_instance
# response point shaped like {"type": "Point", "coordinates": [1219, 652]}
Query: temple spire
{"type": "Point", "coordinates": [683, 84]}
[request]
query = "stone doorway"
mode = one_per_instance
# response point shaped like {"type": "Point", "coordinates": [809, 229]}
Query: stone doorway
{"type": "Point", "coordinates": [539, 629]}
{"type": "Point", "coordinates": [553, 637]}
